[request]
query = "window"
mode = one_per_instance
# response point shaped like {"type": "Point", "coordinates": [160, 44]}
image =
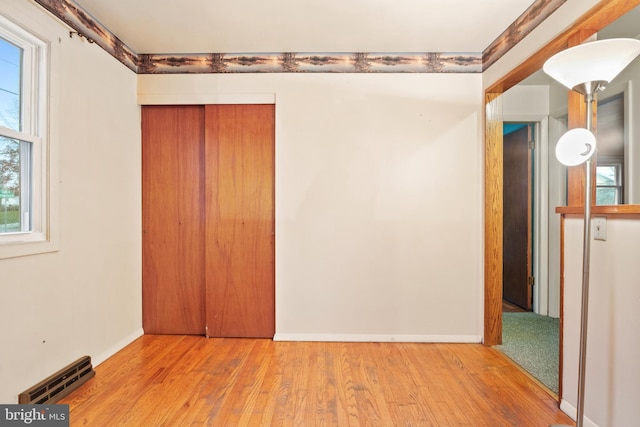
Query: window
{"type": "Point", "coordinates": [15, 166]}
{"type": "Point", "coordinates": [611, 150]}
{"type": "Point", "coordinates": [609, 183]}
{"type": "Point", "coordinates": [24, 162]}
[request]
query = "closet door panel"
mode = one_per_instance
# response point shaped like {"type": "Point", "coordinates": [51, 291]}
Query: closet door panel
{"type": "Point", "coordinates": [239, 153]}
{"type": "Point", "coordinates": [173, 274]}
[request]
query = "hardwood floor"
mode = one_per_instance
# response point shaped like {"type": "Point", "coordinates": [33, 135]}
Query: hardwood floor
{"type": "Point", "coordinates": [507, 307]}
{"type": "Point", "coordinates": [195, 381]}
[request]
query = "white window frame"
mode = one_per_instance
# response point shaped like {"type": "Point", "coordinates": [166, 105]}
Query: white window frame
{"type": "Point", "coordinates": [35, 93]}
{"type": "Point", "coordinates": [618, 163]}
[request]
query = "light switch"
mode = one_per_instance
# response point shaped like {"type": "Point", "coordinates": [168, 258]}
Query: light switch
{"type": "Point", "coordinates": [599, 228]}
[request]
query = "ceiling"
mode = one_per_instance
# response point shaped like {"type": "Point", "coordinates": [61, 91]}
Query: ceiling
{"type": "Point", "coordinates": [238, 26]}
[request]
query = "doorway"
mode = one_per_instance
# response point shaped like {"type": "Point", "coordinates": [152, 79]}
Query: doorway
{"type": "Point", "coordinates": [208, 220]}
{"type": "Point", "coordinates": [530, 338]}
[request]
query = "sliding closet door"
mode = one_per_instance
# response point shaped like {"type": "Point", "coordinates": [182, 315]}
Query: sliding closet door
{"type": "Point", "coordinates": [239, 152]}
{"type": "Point", "coordinates": [173, 248]}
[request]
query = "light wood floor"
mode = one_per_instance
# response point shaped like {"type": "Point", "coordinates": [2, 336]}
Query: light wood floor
{"type": "Point", "coordinates": [195, 381]}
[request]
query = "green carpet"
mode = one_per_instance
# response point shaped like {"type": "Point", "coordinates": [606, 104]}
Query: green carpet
{"type": "Point", "coordinates": [532, 342]}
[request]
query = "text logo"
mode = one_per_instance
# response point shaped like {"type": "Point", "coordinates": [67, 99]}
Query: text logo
{"type": "Point", "coordinates": [34, 415]}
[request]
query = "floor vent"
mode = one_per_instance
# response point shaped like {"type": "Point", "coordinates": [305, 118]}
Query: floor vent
{"type": "Point", "coordinates": [60, 384]}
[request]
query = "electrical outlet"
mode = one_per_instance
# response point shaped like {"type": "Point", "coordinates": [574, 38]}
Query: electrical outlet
{"type": "Point", "coordinates": [600, 228]}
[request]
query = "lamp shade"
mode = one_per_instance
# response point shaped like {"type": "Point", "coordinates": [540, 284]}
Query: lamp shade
{"type": "Point", "coordinates": [599, 61]}
{"type": "Point", "coordinates": [576, 147]}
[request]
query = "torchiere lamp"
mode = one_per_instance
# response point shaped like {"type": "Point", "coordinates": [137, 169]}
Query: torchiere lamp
{"type": "Point", "coordinates": [586, 68]}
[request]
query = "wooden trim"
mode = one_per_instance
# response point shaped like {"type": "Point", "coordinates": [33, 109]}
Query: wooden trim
{"type": "Point", "coordinates": [561, 335]}
{"type": "Point", "coordinates": [493, 211]}
{"type": "Point", "coordinates": [596, 18]}
{"type": "Point", "coordinates": [614, 211]}
{"type": "Point", "coordinates": [577, 118]}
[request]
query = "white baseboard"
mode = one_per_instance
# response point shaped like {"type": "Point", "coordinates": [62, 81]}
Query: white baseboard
{"type": "Point", "coordinates": [98, 359]}
{"type": "Point", "coordinates": [379, 338]}
{"type": "Point", "coordinates": [571, 411]}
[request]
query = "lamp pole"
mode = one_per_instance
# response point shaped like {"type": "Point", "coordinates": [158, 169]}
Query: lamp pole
{"type": "Point", "coordinates": [587, 90]}
{"type": "Point", "coordinates": [586, 258]}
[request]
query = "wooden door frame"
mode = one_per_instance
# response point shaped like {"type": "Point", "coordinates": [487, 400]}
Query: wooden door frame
{"type": "Point", "coordinates": [595, 19]}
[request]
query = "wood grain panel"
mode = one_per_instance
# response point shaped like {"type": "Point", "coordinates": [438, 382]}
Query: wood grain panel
{"type": "Point", "coordinates": [193, 381]}
{"type": "Point", "coordinates": [577, 118]}
{"type": "Point", "coordinates": [561, 326]}
{"type": "Point", "coordinates": [517, 218]}
{"type": "Point", "coordinates": [239, 152]}
{"type": "Point", "coordinates": [612, 211]}
{"type": "Point", "coordinates": [493, 213]}
{"type": "Point", "coordinates": [172, 220]}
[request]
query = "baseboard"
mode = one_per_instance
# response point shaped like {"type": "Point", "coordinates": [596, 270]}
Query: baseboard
{"type": "Point", "coordinates": [571, 411]}
{"type": "Point", "coordinates": [117, 347]}
{"type": "Point", "coordinates": [379, 338]}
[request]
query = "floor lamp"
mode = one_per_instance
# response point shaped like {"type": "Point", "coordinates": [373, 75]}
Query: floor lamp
{"type": "Point", "coordinates": [586, 68]}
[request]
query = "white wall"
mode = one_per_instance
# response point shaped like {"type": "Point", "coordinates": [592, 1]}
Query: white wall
{"type": "Point", "coordinates": [613, 346]}
{"type": "Point", "coordinates": [378, 201]}
{"type": "Point", "coordinates": [85, 298]}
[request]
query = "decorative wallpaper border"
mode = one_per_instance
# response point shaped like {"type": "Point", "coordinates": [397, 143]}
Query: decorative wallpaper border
{"type": "Point", "coordinates": [81, 21]}
{"type": "Point", "coordinates": [519, 29]}
{"type": "Point", "coordinates": [293, 62]}
{"type": "Point", "coordinates": [311, 63]}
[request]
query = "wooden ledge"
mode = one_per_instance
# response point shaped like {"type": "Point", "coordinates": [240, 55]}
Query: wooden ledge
{"type": "Point", "coordinates": [612, 211]}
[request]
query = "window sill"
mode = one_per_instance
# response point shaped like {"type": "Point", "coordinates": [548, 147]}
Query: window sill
{"type": "Point", "coordinates": [19, 249]}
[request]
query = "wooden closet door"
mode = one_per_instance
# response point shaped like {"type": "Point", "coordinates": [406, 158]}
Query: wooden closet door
{"type": "Point", "coordinates": [517, 218]}
{"type": "Point", "coordinates": [239, 152]}
{"type": "Point", "coordinates": [173, 276]}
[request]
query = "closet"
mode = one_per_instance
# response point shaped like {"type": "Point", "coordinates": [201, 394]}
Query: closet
{"type": "Point", "coordinates": [208, 220]}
